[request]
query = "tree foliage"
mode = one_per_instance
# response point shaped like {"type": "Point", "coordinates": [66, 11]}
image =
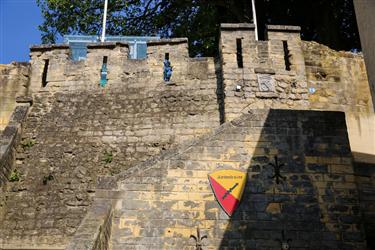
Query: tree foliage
{"type": "Point", "coordinates": [330, 22]}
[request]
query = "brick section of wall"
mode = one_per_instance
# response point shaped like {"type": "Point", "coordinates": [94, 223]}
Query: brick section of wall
{"type": "Point", "coordinates": [14, 81]}
{"type": "Point", "coordinates": [82, 130]}
{"type": "Point", "coordinates": [317, 204]}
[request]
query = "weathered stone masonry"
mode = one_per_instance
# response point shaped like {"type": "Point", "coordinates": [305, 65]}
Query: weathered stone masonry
{"type": "Point", "coordinates": [76, 125]}
{"type": "Point", "coordinates": [264, 80]}
{"type": "Point", "coordinates": [317, 205]}
{"type": "Point", "coordinates": [14, 81]}
{"type": "Point", "coordinates": [9, 139]}
{"type": "Point", "coordinates": [153, 144]}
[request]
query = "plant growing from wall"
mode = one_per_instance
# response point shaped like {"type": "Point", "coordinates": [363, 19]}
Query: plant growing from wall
{"type": "Point", "coordinates": [14, 176]}
{"type": "Point", "coordinates": [47, 178]}
{"type": "Point", "coordinates": [28, 143]}
{"type": "Point", "coordinates": [108, 157]}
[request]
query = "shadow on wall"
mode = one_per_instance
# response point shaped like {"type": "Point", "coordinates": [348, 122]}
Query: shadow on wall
{"type": "Point", "coordinates": [315, 206]}
{"type": "Point", "coordinates": [219, 89]}
{"type": "Point", "coordinates": [364, 170]}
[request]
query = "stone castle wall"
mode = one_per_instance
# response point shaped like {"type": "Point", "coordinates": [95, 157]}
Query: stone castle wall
{"type": "Point", "coordinates": [340, 83]}
{"type": "Point", "coordinates": [14, 81]}
{"type": "Point", "coordinates": [316, 78]}
{"type": "Point", "coordinates": [316, 205]}
{"type": "Point", "coordinates": [82, 130]}
{"type": "Point", "coordinates": [63, 74]}
{"type": "Point", "coordinates": [263, 81]}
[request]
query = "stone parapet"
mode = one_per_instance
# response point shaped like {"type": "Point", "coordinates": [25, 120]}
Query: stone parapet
{"type": "Point", "coordinates": [95, 230]}
{"type": "Point", "coordinates": [106, 45]}
{"type": "Point", "coordinates": [9, 139]}
{"type": "Point", "coordinates": [237, 26]}
{"type": "Point", "coordinates": [47, 47]}
{"type": "Point", "coordinates": [164, 41]}
{"type": "Point", "coordinates": [54, 70]}
{"type": "Point", "coordinates": [283, 28]}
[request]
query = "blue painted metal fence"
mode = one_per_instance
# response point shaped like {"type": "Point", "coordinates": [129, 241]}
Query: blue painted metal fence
{"type": "Point", "coordinates": [137, 45]}
{"type": "Point", "coordinates": [78, 45]}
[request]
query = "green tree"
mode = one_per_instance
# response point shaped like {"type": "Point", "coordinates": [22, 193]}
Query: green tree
{"type": "Point", "coordinates": [331, 22]}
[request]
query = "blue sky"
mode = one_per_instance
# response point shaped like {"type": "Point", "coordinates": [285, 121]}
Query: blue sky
{"type": "Point", "coordinates": [19, 20]}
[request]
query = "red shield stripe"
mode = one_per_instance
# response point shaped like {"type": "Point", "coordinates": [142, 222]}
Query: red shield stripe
{"type": "Point", "coordinates": [228, 186]}
{"type": "Point", "coordinates": [227, 201]}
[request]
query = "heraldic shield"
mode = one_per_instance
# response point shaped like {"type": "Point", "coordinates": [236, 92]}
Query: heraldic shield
{"type": "Point", "coordinates": [228, 186]}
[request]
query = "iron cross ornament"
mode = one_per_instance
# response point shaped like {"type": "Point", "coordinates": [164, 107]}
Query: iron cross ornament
{"type": "Point", "coordinates": [277, 173]}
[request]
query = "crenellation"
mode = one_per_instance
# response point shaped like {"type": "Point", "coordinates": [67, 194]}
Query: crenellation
{"type": "Point", "coordinates": [262, 60]}
{"type": "Point", "coordinates": [85, 72]}
{"type": "Point", "coordinates": [283, 33]}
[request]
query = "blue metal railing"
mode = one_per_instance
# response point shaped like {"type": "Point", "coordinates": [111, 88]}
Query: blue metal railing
{"type": "Point", "coordinates": [137, 44]}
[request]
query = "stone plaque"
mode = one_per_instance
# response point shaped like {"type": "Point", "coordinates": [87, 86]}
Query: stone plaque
{"type": "Point", "coordinates": [266, 83]}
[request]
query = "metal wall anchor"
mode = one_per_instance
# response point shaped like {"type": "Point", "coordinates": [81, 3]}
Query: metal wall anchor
{"type": "Point", "coordinates": [277, 168]}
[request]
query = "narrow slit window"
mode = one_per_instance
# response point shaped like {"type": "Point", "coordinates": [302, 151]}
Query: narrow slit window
{"type": "Point", "coordinates": [45, 72]}
{"type": "Point", "coordinates": [286, 56]}
{"type": "Point", "coordinates": [166, 56]}
{"type": "Point", "coordinates": [239, 53]}
{"type": "Point", "coordinates": [103, 72]}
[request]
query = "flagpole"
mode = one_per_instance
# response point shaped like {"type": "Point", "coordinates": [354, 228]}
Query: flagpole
{"type": "Point", "coordinates": [255, 19]}
{"type": "Point", "coordinates": [104, 20]}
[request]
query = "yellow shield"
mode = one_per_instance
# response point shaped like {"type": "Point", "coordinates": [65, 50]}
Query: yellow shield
{"type": "Point", "coordinates": [228, 186]}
